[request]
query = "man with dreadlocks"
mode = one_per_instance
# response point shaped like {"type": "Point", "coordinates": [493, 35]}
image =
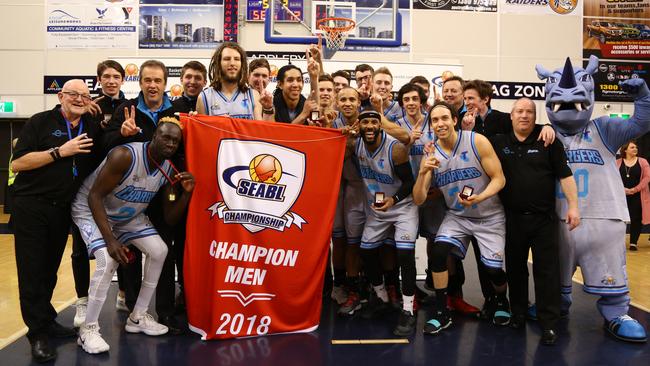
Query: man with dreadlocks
{"type": "Point", "coordinates": [229, 94]}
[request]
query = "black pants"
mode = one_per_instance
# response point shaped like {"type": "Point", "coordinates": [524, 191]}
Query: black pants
{"type": "Point", "coordinates": [80, 263]}
{"type": "Point", "coordinates": [538, 231]}
{"type": "Point", "coordinates": [634, 207]}
{"type": "Point", "coordinates": [486, 286]}
{"type": "Point", "coordinates": [41, 233]}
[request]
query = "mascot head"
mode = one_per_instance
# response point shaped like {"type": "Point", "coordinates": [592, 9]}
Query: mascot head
{"type": "Point", "coordinates": [569, 95]}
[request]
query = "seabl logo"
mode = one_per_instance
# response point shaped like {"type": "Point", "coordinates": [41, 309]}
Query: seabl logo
{"type": "Point", "coordinates": [259, 182]}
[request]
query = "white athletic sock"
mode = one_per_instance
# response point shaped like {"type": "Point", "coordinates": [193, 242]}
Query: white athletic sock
{"type": "Point", "coordinates": [381, 292]}
{"type": "Point", "coordinates": [408, 303]}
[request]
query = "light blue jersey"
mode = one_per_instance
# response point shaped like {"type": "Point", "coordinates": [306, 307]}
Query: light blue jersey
{"type": "Point", "coordinates": [600, 188]}
{"type": "Point", "coordinates": [241, 105]}
{"type": "Point", "coordinates": [463, 168]}
{"type": "Point", "coordinates": [416, 150]}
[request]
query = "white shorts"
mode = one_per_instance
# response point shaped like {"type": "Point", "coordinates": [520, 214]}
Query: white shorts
{"type": "Point", "coordinates": [138, 227]}
{"type": "Point", "coordinates": [403, 218]}
{"type": "Point", "coordinates": [598, 247]}
{"type": "Point", "coordinates": [490, 233]}
{"type": "Point", "coordinates": [354, 211]}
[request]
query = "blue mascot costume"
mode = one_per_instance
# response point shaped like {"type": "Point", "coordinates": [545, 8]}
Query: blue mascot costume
{"type": "Point", "coordinates": [598, 244]}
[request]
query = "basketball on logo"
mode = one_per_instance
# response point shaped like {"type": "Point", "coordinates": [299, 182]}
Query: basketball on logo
{"type": "Point", "coordinates": [176, 90]}
{"type": "Point", "coordinates": [131, 70]}
{"type": "Point", "coordinates": [265, 168]}
{"type": "Point", "coordinates": [563, 6]}
{"type": "Point", "coordinates": [446, 75]}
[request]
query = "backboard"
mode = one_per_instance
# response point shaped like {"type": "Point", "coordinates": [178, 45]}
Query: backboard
{"type": "Point", "coordinates": [378, 22]}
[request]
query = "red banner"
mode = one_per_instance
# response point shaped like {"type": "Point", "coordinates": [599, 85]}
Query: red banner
{"type": "Point", "coordinates": [259, 224]}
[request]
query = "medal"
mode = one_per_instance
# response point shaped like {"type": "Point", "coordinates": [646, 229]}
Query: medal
{"type": "Point", "coordinates": [172, 197]}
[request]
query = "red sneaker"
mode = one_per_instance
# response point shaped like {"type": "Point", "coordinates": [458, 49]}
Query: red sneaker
{"type": "Point", "coordinates": [459, 305]}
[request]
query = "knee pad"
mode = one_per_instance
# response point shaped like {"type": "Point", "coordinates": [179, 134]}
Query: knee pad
{"type": "Point", "coordinates": [496, 275]}
{"type": "Point", "coordinates": [438, 258]}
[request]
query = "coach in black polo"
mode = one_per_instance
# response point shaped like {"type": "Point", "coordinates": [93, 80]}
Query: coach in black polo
{"type": "Point", "coordinates": [531, 171]}
{"type": "Point", "coordinates": [54, 151]}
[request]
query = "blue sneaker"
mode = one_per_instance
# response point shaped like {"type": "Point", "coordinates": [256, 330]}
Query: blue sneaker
{"type": "Point", "coordinates": [441, 320]}
{"type": "Point", "coordinates": [626, 329]}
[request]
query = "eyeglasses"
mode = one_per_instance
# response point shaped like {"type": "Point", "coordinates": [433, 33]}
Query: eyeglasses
{"type": "Point", "coordinates": [75, 95]}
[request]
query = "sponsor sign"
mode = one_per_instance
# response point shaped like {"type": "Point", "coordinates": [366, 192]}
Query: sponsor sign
{"type": "Point", "coordinates": [184, 27]}
{"type": "Point", "coordinates": [457, 5]}
{"type": "Point", "coordinates": [542, 7]}
{"type": "Point", "coordinates": [609, 74]}
{"type": "Point", "coordinates": [52, 84]}
{"type": "Point", "coordinates": [259, 225]}
{"type": "Point", "coordinates": [516, 90]}
{"type": "Point", "coordinates": [617, 8]}
{"type": "Point", "coordinates": [610, 38]}
{"type": "Point", "coordinates": [95, 25]}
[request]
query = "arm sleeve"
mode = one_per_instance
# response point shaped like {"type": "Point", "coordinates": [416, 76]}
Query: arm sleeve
{"type": "Point", "coordinates": [405, 174]}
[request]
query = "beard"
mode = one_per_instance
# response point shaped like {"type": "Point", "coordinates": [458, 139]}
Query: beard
{"type": "Point", "coordinates": [369, 140]}
{"type": "Point", "coordinates": [228, 79]}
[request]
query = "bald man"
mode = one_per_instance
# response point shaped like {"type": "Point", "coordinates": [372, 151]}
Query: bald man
{"type": "Point", "coordinates": [531, 170]}
{"type": "Point", "coordinates": [55, 149]}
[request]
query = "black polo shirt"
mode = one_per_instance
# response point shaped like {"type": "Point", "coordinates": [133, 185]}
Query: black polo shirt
{"type": "Point", "coordinates": [184, 104]}
{"type": "Point", "coordinates": [495, 122]}
{"type": "Point", "coordinates": [108, 104]}
{"type": "Point", "coordinates": [54, 181]}
{"type": "Point", "coordinates": [531, 171]}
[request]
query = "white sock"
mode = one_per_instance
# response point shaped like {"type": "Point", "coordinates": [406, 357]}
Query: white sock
{"type": "Point", "coordinates": [381, 292]}
{"type": "Point", "coordinates": [408, 303]}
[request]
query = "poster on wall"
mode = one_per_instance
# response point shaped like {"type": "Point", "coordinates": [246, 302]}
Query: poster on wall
{"type": "Point", "coordinates": [181, 2]}
{"type": "Point", "coordinates": [488, 6]}
{"type": "Point", "coordinates": [610, 73]}
{"type": "Point", "coordinates": [91, 24]}
{"type": "Point", "coordinates": [181, 27]}
{"type": "Point", "coordinates": [617, 8]}
{"type": "Point", "coordinates": [610, 38]}
{"type": "Point", "coordinates": [541, 7]}
{"type": "Point", "coordinates": [256, 10]}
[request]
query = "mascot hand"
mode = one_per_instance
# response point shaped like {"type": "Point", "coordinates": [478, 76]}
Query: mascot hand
{"type": "Point", "coordinates": [636, 88]}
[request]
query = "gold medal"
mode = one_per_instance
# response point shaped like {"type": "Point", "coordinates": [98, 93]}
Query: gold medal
{"type": "Point", "coordinates": [172, 197]}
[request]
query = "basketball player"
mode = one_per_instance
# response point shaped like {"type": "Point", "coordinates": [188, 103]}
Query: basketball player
{"type": "Point", "coordinates": [382, 96]}
{"type": "Point", "coordinates": [326, 100]}
{"type": "Point", "coordinates": [229, 93]}
{"type": "Point", "coordinates": [109, 211]}
{"type": "Point", "coordinates": [341, 80]}
{"type": "Point", "coordinates": [384, 167]}
{"type": "Point", "coordinates": [469, 175]}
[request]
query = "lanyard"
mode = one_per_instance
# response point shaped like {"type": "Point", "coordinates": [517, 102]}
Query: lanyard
{"type": "Point", "coordinates": [171, 181]}
{"type": "Point", "coordinates": [75, 173]}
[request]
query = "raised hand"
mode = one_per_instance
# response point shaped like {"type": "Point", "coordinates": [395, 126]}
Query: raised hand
{"type": "Point", "coordinates": [94, 108]}
{"type": "Point", "coordinates": [129, 127]}
{"type": "Point", "coordinates": [377, 103]}
{"type": "Point", "coordinates": [469, 119]}
{"type": "Point", "coordinates": [78, 145]}
{"type": "Point", "coordinates": [266, 99]}
{"type": "Point", "coordinates": [429, 163]}
{"type": "Point", "coordinates": [636, 88]}
{"type": "Point", "coordinates": [186, 180]}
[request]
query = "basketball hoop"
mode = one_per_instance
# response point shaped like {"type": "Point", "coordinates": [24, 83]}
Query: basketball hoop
{"type": "Point", "coordinates": [336, 30]}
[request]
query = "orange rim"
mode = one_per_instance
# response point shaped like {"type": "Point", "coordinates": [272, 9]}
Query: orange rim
{"type": "Point", "coordinates": [326, 28]}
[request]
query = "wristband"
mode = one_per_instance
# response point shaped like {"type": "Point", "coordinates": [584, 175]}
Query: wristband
{"type": "Point", "coordinates": [268, 111]}
{"type": "Point", "coordinates": [57, 153]}
{"type": "Point", "coordinates": [395, 199]}
{"type": "Point", "coordinates": [52, 154]}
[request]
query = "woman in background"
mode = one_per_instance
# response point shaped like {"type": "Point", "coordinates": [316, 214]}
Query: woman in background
{"type": "Point", "coordinates": [635, 173]}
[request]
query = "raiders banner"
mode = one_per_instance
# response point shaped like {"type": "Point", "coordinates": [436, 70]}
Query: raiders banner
{"type": "Point", "coordinates": [259, 224]}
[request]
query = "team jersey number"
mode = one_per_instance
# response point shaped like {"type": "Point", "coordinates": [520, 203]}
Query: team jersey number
{"type": "Point", "coordinates": [582, 181]}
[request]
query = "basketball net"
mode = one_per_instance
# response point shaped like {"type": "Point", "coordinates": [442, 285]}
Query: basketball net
{"type": "Point", "coordinates": [335, 30]}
